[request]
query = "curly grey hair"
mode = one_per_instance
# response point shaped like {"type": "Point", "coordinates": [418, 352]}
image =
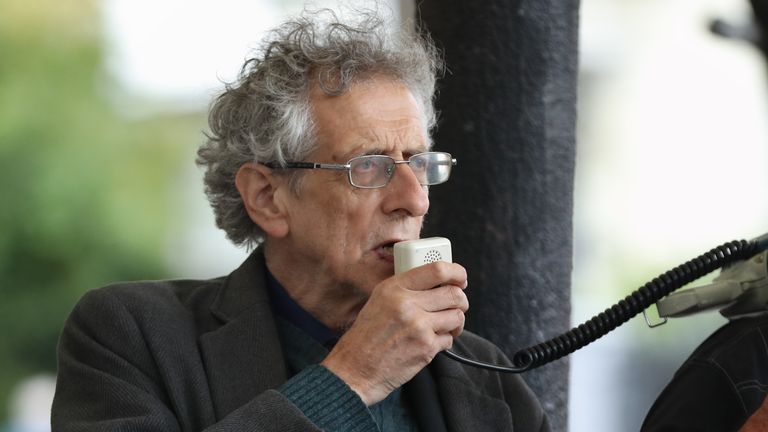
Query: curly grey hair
{"type": "Point", "coordinates": [265, 115]}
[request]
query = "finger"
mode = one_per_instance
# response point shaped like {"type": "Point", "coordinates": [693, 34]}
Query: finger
{"type": "Point", "coordinates": [446, 321]}
{"type": "Point", "coordinates": [434, 274]}
{"type": "Point", "coordinates": [445, 341]}
{"type": "Point", "coordinates": [441, 298]}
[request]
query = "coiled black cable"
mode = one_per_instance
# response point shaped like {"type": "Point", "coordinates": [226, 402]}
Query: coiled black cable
{"type": "Point", "coordinates": [636, 302]}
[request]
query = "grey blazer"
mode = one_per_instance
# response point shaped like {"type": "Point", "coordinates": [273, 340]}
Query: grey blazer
{"type": "Point", "coordinates": [191, 355]}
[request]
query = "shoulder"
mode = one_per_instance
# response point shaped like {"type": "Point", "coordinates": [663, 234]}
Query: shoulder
{"type": "Point", "coordinates": [146, 307]}
{"type": "Point", "coordinates": [735, 346]}
{"type": "Point", "coordinates": [738, 331]}
{"type": "Point", "coordinates": [152, 296]}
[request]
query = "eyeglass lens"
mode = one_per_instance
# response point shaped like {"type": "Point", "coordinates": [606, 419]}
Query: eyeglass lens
{"type": "Point", "coordinates": [376, 170]}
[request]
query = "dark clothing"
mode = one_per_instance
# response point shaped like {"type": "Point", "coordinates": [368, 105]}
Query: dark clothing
{"type": "Point", "coordinates": [720, 385]}
{"type": "Point", "coordinates": [302, 354]}
{"type": "Point", "coordinates": [283, 306]}
{"type": "Point", "coordinates": [192, 355]}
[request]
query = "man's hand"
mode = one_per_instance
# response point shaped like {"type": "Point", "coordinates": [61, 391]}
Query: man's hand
{"type": "Point", "coordinates": [409, 318]}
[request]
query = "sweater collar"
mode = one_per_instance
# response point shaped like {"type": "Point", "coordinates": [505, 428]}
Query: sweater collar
{"type": "Point", "coordinates": [286, 308]}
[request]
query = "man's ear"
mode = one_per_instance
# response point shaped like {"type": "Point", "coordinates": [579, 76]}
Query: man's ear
{"type": "Point", "coordinates": [259, 191]}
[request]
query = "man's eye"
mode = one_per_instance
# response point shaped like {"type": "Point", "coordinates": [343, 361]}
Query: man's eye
{"type": "Point", "coordinates": [419, 163]}
{"type": "Point", "coordinates": [366, 164]}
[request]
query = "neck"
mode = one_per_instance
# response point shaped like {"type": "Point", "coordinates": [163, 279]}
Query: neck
{"type": "Point", "coordinates": [333, 304]}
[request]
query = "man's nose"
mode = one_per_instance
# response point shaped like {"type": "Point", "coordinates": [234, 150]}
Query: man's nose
{"type": "Point", "coordinates": [405, 193]}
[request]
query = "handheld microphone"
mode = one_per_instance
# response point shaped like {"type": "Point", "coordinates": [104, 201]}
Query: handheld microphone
{"type": "Point", "coordinates": [414, 253]}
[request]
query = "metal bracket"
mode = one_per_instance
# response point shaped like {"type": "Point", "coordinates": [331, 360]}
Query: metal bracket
{"type": "Point", "coordinates": [651, 325]}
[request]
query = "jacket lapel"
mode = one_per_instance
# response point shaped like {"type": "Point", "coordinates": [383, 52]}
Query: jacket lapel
{"type": "Point", "coordinates": [466, 409]}
{"type": "Point", "coordinates": [420, 394]}
{"type": "Point", "coordinates": [243, 357]}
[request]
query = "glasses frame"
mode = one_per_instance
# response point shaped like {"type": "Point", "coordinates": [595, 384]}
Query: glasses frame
{"type": "Point", "coordinates": [348, 167]}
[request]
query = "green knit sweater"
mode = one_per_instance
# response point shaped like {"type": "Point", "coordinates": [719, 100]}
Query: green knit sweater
{"type": "Point", "coordinates": [327, 400]}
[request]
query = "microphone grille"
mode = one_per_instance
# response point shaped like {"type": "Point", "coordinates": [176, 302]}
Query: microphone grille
{"type": "Point", "coordinates": [432, 255]}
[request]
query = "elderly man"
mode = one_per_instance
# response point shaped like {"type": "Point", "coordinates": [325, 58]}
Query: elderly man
{"type": "Point", "coordinates": [319, 158]}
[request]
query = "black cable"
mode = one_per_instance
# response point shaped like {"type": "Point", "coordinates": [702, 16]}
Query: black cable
{"type": "Point", "coordinates": [621, 312]}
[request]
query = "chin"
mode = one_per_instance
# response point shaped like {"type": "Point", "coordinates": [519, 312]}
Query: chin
{"type": "Point", "coordinates": [367, 286]}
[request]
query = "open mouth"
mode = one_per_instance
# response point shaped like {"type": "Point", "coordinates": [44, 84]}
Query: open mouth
{"type": "Point", "coordinates": [386, 250]}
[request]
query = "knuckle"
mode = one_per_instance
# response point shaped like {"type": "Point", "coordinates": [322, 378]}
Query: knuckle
{"type": "Point", "coordinates": [405, 315]}
{"type": "Point", "coordinates": [464, 302]}
{"type": "Point", "coordinates": [441, 270]}
{"type": "Point", "coordinates": [443, 343]}
{"type": "Point", "coordinates": [427, 356]}
{"type": "Point", "coordinates": [423, 330]}
{"type": "Point", "coordinates": [421, 348]}
{"type": "Point", "coordinates": [422, 335]}
{"type": "Point", "coordinates": [460, 318]}
{"type": "Point", "coordinates": [400, 306]}
{"type": "Point", "coordinates": [457, 298]}
{"type": "Point", "coordinates": [456, 295]}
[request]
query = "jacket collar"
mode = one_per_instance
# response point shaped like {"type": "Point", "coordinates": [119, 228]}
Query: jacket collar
{"type": "Point", "coordinates": [243, 289]}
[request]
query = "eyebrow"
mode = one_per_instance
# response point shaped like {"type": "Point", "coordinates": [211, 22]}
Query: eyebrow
{"type": "Point", "coordinates": [383, 151]}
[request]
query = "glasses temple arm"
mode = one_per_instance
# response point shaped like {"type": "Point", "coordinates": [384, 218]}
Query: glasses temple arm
{"type": "Point", "coordinates": [309, 165]}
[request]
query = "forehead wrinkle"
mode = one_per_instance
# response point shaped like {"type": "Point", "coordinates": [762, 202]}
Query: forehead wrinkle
{"type": "Point", "coordinates": [377, 116]}
{"type": "Point", "coordinates": [384, 142]}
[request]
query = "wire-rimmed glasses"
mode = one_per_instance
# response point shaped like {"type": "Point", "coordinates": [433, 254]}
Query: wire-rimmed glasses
{"type": "Point", "coordinates": [375, 171]}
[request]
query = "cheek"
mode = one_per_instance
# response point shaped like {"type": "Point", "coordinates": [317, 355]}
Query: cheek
{"type": "Point", "coordinates": [338, 219]}
{"type": "Point", "coordinates": [354, 226]}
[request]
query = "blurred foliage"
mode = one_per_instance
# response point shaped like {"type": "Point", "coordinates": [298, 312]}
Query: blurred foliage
{"type": "Point", "coordinates": [84, 192]}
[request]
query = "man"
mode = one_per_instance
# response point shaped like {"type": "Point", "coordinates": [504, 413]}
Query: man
{"type": "Point", "coordinates": [319, 157]}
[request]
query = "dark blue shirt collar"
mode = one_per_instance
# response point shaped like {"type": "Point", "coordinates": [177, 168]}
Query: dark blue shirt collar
{"type": "Point", "coordinates": [285, 307]}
